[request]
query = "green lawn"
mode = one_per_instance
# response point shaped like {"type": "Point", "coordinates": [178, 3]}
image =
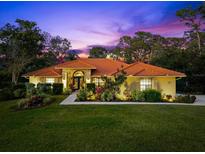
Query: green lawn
{"type": "Point", "coordinates": [102, 128]}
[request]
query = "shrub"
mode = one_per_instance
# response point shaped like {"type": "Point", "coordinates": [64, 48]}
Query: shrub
{"type": "Point", "coordinates": [82, 95]}
{"type": "Point", "coordinates": [98, 92]}
{"type": "Point", "coordinates": [47, 100]}
{"type": "Point", "coordinates": [137, 95]}
{"type": "Point", "coordinates": [23, 103]}
{"type": "Point", "coordinates": [57, 88]}
{"type": "Point", "coordinates": [67, 91]}
{"type": "Point", "coordinates": [34, 101]}
{"type": "Point", "coordinates": [91, 96]}
{"type": "Point", "coordinates": [30, 89]}
{"type": "Point", "coordinates": [6, 94]}
{"type": "Point", "coordinates": [152, 95]}
{"type": "Point", "coordinates": [90, 87]}
{"type": "Point", "coordinates": [44, 88]}
{"type": "Point", "coordinates": [19, 86]}
{"type": "Point", "coordinates": [19, 93]}
{"type": "Point", "coordinates": [168, 97]}
{"type": "Point", "coordinates": [107, 96]}
{"type": "Point", "coordinates": [30, 102]}
{"type": "Point", "coordinates": [185, 99]}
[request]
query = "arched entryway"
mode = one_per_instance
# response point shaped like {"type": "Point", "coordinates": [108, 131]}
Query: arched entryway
{"type": "Point", "coordinates": [78, 79]}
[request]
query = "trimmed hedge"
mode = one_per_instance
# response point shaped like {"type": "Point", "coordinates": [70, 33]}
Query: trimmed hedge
{"type": "Point", "coordinates": [44, 88]}
{"type": "Point", "coordinates": [152, 95]}
{"type": "Point", "coordinates": [57, 88]}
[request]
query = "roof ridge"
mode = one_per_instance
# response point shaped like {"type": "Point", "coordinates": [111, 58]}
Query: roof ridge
{"type": "Point", "coordinates": [140, 71]}
{"type": "Point", "coordinates": [129, 65]}
{"type": "Point", "coordinates": [54, 71]}
{"type": "Point", "coordinates": [73, 61]}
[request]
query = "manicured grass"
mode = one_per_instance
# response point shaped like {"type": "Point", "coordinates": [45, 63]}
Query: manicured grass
{"type": "Point", "coordinates": [102, 128]}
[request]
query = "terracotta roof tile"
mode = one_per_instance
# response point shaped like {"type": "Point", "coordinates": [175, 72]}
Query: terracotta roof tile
{"type": "Point", "coordinates": [102, 66]}
{"type": "Point", "coordinates": [142, 69]}
{"type": "Point", "coordinates": [75, 64]}
{"type": "Point", "coordinates": [48, 71]}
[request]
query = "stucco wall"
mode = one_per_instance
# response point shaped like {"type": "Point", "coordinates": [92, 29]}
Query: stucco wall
{"type": "Point", "coordinates": [36, 79]}
{"type": "Point", "coordinates": [167, 85]}
{"type": "Point", "coordinates": [69, 74]}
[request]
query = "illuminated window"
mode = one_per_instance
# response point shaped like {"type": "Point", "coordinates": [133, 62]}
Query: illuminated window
{"type": "Point", "coordinates": [78, 73]}
{"type": "Point", "coordinates": [145, 84]}
{"type": "Point", "coordinates": [98, 81]}
{"type": "Point", "coordinates": [50, 80]}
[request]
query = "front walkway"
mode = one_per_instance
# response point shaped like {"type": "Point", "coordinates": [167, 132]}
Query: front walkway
{"type": "Point", "coordinates": [70, 100]}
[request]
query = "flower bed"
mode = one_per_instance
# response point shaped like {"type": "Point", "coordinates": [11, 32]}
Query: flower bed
{"type": "Point", "coordinates": [40, 96]}
{"type": "Point", "coordinates": [150, 95]}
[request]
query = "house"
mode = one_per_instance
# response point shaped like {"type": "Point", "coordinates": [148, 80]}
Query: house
{"type": "Point", "coordinates": [90, 70]}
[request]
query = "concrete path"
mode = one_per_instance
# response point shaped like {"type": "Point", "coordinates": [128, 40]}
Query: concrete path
{"type": "Point", "coordinates": [70, 100]}
{"type": "Point", "coordinates": [200, 99]}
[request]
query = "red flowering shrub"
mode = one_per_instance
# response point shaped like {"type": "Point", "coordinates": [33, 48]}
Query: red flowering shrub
{"type": "Point", "coordinates": [99, 91]}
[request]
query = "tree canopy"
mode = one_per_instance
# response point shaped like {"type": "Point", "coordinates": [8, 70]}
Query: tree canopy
{"type": "Point", "coordinates": [19, 45]}
{"type": "Point", "coordinates": [97, 52]}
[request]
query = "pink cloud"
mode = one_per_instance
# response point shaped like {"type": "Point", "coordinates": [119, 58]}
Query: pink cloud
{"type": "Point", "coordinates": [83, 55]}
{"type": "Point", "coordinates": [168, 29]}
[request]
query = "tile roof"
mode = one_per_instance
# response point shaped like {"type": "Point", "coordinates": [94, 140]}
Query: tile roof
{"type": "Point", "coordinates": [48, 71]}
{"type": "Point", "coordinates": [102, 66]}
{"type": "Point", "coordinates": [142, 69]}
{"type": "Point", "coordinates": [75, 64]}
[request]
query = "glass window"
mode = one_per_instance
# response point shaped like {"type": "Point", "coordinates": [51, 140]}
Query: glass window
{"type": "Point", "coordinates": [98, 81]}
{"type": "Point", "coordinates": [50, 80]}
{"type": "Point", "coordinates": [145, 84]}
{"type": "Point", "coordinates": [78, 73]}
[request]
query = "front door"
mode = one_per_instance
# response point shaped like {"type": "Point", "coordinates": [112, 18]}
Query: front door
{"type": "Point", "coordinates": [76, 82]}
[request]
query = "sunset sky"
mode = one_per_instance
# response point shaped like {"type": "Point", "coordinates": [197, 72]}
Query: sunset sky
{"type": "Point", "coordinates": [98, 23]}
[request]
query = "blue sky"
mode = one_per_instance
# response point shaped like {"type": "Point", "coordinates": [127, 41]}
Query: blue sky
{"type": "Point", "coordinates": [98, 23]}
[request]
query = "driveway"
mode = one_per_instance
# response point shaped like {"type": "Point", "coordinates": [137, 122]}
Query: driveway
{"type": "Point", "coordinates": [200, 99]}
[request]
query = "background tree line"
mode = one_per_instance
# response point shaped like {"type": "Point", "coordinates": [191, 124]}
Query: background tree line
{"type": "Point", "coordinates": [25, 47]}
{"type": "Point", "coordinates": [186, 54]}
